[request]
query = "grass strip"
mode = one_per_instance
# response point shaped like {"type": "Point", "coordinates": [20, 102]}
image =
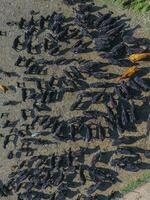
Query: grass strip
{"type": "Point", "coordinates": [136, 5]}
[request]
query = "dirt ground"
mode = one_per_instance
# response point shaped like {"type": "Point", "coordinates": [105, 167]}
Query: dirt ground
{"type": "Point", "coordinates": [12, 11]}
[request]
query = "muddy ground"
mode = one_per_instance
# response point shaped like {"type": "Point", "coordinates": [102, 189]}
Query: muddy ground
{"type": "Point", "coordinates": [13, 10]}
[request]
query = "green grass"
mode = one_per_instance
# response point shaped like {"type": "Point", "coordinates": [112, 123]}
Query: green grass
{"type": "Point", "coordinates": [130, 187]}
{"type": "Point", "coordinates": [136, 5]}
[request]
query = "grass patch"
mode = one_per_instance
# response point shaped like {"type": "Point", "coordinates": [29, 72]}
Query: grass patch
{"type": "Point", "coordinates": [130, 187]}
{"type": "Point", "coordinates": [136, 5]}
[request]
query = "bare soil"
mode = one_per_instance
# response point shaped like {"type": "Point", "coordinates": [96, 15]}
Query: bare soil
{"type": "Point", "coordinates": [12, 11]}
